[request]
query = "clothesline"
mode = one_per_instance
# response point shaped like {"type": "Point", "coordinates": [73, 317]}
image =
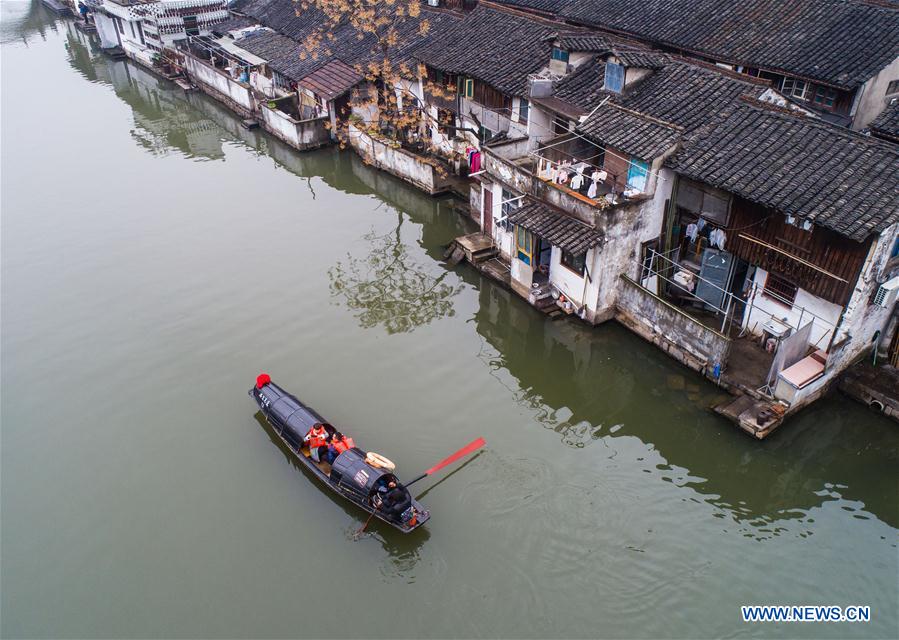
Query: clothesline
{"type": "Point", "coordinates": [556, 120]}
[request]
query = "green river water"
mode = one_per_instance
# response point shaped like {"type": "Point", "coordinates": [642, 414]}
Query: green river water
{"type": "Point", "coordinates": [156, 256]}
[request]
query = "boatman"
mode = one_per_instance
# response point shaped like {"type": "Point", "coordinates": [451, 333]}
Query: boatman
{"type": "Point", "coordinates": [317, 440]}
{"type": "Point", "coordinates": [339, 444]}
{"type": "Point", "coordinates": [395, 500]}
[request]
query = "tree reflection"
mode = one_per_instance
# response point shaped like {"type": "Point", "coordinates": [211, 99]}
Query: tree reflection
{"type": "Point", "coordinates": [387, 287]}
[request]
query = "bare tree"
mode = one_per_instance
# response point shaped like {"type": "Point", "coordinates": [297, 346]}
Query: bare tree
{"type": "Point", "coordinates": [387, 31]}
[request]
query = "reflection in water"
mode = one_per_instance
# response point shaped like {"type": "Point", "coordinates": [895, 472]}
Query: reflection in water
{"type": "Point", "coordinates": [616, 391]}
{"type": "Point", "coordinates": [165, 119]}
{"type": "Point", "coordinates": [403, 550]}
{"type": "Point", "coordinates": [20, 21]}
{"type": "Point", "coordinates": [388, 288]}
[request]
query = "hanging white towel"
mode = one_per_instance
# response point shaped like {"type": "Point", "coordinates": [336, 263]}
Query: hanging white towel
{"type": "Point", "coordinates": [591, 192]}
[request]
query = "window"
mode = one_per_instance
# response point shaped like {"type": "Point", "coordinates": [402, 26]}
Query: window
{"type": "Point", "coordinates": [560, 54]}
{"type": "Point", "coordinates": [485, 133]}
{"type": "Point", "coordinates": [524, 108]}
{"type": "Point", "coordinates": [780, 289]}
{"type": "Point", "coordinates": [637, 174]}
{"type": "Point", "coordinates": [893, 87]}
{"type": "Point", "coordinates": [577, 262]}
{"type": "Point", "coordinates": [468, 89]}
{"type": "Point", "coordinates": [191, 26]}
{"type": "Point", "coordinates": [614, 77]}
{"type": "Point", "coordinates": [525, 245]}
{"type": "Point", "coordinates": [794, 87]}
{"type": "Point", "coordinates": [825, 97]}
{"type": "Point", "coordinates": [895, 252]}
{"type": "Point", "coordinates": [509, 204]}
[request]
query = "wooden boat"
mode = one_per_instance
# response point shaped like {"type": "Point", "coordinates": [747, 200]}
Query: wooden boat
{"type": "Point", "coordinates": [350, 475]}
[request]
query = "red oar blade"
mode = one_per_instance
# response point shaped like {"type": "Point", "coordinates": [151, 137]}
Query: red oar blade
{"type": "Point", "coordinates": [461, 453]}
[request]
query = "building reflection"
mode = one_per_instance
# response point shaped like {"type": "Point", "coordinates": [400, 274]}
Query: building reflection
{"type": "Point", "coordinates": [606, 387]}
{"type": "Point", "coordinates": [22, 21]}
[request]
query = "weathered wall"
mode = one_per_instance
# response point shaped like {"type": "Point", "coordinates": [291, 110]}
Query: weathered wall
{"type": "Point", "coordinates": [871, 100]}
{"type": "Point", "coordinates": [398, 161]}
{"type": "Point", "coordinates": [805, 308]}
{"type": "Point", "coordinates": [301, 134]}
{"type": "Point", "coordinates": [236, 95]}
{"type": "Point", "coordinates": [861, 320]}
{"type": "Point", "coordinates": [669, 328]}
{"type": "Point", "coordinates": [106, 30]}
{"type": "Point", "coordinates": [626, 227]}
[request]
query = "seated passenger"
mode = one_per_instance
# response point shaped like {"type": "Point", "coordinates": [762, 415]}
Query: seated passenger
{"type": "Point", "coordinates": [339, 444]}
{"type": "Point", "coordinates": [395, 500]}
{"type": "Point", "coordinates": [317, 441]}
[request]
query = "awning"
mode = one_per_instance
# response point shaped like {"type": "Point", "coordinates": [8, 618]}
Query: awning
{"type": "Point", "coordinates": [563, 231]}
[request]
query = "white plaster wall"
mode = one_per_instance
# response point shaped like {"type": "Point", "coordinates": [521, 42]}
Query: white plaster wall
{"type": "Point", "coordinates": [580, 290]}
{"type": "Point", "coordinates": [539, 126]}
{"type": "Point", "coordinates": [626, 227]}
{"type": "Point", "coordinates": [283, 127]}
{"type": "Point", "coordinates": [220, 82]}
{"type": "Point", "coordinates": [106, 30]}
{"type": "Point", "coordinates": [502, 238]}
{"type": "Point", "coordinates": [397, 161]}
{"type": "Point", "coordinates": [861, 320]}
{"type": "Point", "coordinates": [871, 102]}
{"type": "Point", "coordinates": [806, 308]}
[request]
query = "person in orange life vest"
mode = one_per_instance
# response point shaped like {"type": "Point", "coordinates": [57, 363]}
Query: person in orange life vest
{"type": "Point", "coordinates": [339, 444]}
{"type": "Point", "coordinates": [317, 440]}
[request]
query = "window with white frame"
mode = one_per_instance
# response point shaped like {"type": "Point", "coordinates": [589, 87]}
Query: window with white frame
{"type": "Point", "coordinates": [794, 87]}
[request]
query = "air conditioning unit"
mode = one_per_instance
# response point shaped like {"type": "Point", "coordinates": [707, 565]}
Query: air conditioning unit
{"type": "Point", "coordinates": [434, 3]}
{"type": "Point", "coordinates": [541, 87]}
{"type": "Point", "coordinates": [887, 293]}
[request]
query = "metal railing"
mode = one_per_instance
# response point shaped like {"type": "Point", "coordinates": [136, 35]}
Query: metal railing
{"type": "Point", "coordinates": [660, 264]}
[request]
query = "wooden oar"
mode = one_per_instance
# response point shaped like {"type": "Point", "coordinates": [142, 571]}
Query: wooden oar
{"type": "Point", "coordinates": [461, 453]}
{"type": "Point", "coordinates": [359, 533]}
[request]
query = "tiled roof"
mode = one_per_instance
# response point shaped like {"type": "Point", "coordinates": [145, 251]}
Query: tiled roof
{"type": "Point", "coordinates": [549, 7]}
{"type": "Point", "coordinates": [629, 131]}
{"type": "Point", "coordinates": [642, 58]}
{"type": "Point", "coordinates": [332, 80]}
{"type": "Point", "coordinates": [593, 43]}
{"type": "Point", "coordinates": [281, 53]}
{"type": "Point", "coordinates": [233, 22]}
{"type": "Point", "coordinates": [583, 87]}
{"type": "Point", "coordinates": [886, 125]}
{"type": "Point", "coordinates": [681, 93]}
{"type": "Point", "coordinates": [838, 42]}
{"type": "Point", "coordinates": [559, 229]}
{"type": "Point", "coordinates": [342, 42]}
{"type": "Point", "coordinates": [836, 178]}
{"type": "Point", "coordinates": [493, 46]}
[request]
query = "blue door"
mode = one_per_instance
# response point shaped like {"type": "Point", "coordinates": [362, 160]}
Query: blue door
{"type": "Point", "coordinates": [637, 174]}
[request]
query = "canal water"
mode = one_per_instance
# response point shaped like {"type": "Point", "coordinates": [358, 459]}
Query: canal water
{"type": "Point", "coordinates": [156, 256]}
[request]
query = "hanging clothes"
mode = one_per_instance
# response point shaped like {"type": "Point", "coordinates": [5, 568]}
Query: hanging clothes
{"type": "Point", "coordinates": [591, 192]}
{"type": "Point", "coordinates": [475, 162]}
{"type": "Point", "coordinates": [692, 232]}
{"type": "Point", "coordinates": [577, 180]}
